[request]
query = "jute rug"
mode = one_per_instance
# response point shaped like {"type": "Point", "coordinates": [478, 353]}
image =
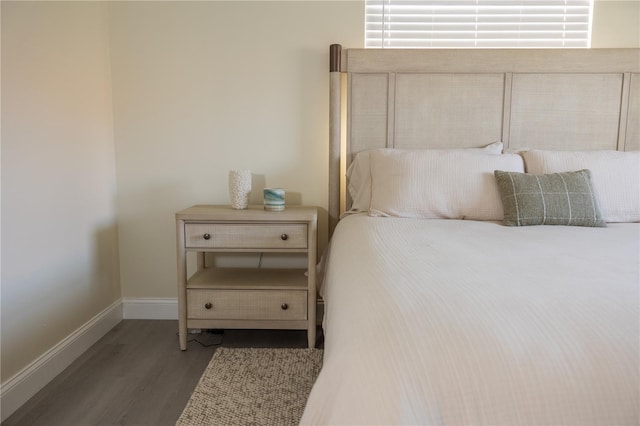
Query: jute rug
{"type": "Point", "coordinates": [251, 386]}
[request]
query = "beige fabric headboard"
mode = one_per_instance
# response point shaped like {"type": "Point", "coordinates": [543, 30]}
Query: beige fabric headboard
{"type": "Point", "coordinates": [564, 99]}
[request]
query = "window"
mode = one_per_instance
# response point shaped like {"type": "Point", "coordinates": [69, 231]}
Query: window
{"type": "Point", "coordinates": [478, 23]}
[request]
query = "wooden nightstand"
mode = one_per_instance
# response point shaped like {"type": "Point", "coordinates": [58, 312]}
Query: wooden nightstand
{"type": "Point", "coordinates": [247, 297]}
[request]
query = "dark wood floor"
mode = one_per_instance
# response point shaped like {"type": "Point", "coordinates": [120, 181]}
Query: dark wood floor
{"type": "Point", "coordinates": [136, 375]}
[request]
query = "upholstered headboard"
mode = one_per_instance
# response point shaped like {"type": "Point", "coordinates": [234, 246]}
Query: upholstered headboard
{"type": "Point", "coordinates": [563, 99]}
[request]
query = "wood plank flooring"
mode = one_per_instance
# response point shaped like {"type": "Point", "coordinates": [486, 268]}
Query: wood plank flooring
{"type": "Point", "coordinates": [136, 375]}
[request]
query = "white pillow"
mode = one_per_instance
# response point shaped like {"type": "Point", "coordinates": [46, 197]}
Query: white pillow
{"type": "Point", "coordinates": [359, 174]}
{"type": "Point", "coordinates": [359, 182]}
{"type": "Point", "coordinates": [615, 176]}
{"type": "Point", "coordinates": [448, 184]}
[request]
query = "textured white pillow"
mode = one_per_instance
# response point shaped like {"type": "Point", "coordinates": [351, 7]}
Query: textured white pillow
{"type": "Point", "coordinates": [359, 182]}
{"type": "Point", "coordinates": [453, 184]}
{"type": "Point", "coordinates": [615, 176]}
{"type": "Point", "coordinates": [359, 174]}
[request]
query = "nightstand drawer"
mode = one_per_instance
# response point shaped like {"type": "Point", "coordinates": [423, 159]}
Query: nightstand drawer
{"type": "Point", "coordinates": [246, 235]}
{"type": "Point", "coordinates": [247, 304]}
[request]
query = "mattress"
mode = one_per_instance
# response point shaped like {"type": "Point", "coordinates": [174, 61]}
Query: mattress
{"type": "Point", "coordinates": [467, 322]}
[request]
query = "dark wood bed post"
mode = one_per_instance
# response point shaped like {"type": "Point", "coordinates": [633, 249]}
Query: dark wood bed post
{"type": "Point", "coordinates": [335, 114]}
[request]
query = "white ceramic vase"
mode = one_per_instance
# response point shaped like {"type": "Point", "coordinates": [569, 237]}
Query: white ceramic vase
{"type": "Point", "coordinates": [239, 188]}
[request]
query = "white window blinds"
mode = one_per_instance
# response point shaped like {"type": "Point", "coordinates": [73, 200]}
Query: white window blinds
{"type": "Point", "coordinates": [478, 23]}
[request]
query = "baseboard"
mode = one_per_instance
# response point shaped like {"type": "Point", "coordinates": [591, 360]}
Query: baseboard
{"type": "Point", "coordinates": [150, 308]}
{"type": "Point", "coordinates": [18, 389]}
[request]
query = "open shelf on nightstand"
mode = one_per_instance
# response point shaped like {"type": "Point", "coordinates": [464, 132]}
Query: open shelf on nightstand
{"type": "Point", "coordinates": [249, 279]}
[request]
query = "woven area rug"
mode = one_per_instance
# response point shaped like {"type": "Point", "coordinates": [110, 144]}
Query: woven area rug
{"type": "Point", "coordinates": [253, 386]}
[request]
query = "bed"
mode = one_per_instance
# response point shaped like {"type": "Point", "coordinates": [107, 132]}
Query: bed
{"type": "Point", "coordinates": [451, 295]}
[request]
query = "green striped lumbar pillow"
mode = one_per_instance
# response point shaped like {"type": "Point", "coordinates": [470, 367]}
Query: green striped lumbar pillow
{"type": "Point", "coordinates": [551, 199]}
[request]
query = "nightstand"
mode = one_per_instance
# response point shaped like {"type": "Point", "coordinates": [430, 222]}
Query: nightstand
{"type": "Point", "coordinates": [252, 298]}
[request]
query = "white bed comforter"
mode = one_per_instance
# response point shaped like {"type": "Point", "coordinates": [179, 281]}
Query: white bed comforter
{"type": "Point", "coordinates": [462, 322]}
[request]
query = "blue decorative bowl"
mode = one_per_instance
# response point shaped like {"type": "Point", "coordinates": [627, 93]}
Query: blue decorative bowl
{"type": "Point", "coordinates": [274, 199]}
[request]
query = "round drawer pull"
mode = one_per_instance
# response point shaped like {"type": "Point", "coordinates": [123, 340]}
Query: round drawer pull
{"type": "Point", "coordinates": [206, 236]}
{"type": "Point", "coordinates": [208, 305]}
{"type": "Point", "coordinates": [284, 306]}
{"type": "Point", "coordinates": [284, 237]}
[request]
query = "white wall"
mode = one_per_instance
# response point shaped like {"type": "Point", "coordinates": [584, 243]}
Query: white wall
{"type": "Point", "coordinates": [204, 87]}
{"type": "Point", "coordinates": [616, 23]}
{"type": "Point", "coordinates": [59, 239]}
